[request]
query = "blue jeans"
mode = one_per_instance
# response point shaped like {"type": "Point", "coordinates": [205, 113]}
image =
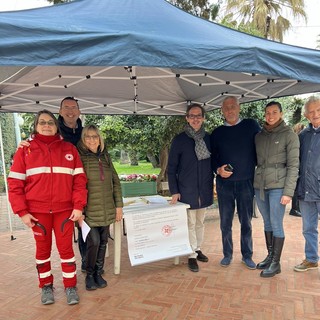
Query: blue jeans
{"type": "Point", "coordinates": [272, 211]}
{"type": "Point", "coordinates": [229, 194]}
{"type": "Point", "coordinates": [309, 212]}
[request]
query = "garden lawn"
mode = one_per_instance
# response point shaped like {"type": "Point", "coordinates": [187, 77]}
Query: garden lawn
{"type": "Point", "coordinates": [142, 168]}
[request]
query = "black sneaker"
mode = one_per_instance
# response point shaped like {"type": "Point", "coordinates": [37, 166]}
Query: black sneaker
{"type": "Point", "coordinates": [193, 264]}
{"type": "Point", "coordinates": [201, 257]}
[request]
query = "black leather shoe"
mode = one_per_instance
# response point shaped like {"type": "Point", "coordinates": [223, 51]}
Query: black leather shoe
{"type": "Point", "coordinates": [295, 213]}
{"type": "Point", "coordinates": [90, 282]}
{"type": "Point", "coordinates": [100, 282]}
{"type": "Point", "coordinates": [201, 257]}
{"type": "Point", "coordinates": [193, 264]}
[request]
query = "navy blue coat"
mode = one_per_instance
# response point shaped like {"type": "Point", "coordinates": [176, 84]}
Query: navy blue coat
{"type": "Point", "coordinates": [187, 175]}
{"type": "Point", "coordinates": [308, 188]}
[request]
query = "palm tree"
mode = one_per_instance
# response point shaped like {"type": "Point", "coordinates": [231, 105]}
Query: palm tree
{"type": "Point", "coordinates": [201, 8]}
{"type": "Point", "coordinates": [266, 15]}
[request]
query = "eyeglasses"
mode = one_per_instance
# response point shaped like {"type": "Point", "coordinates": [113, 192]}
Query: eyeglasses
{"type": "Point", "coordinates": [70, 108]}
{"type": "Point", "coordinates": [95, 137]}
{"type": "Point", "coordinates": [195, 116]}
{"type": "Point", "coordinates": [50, 123]}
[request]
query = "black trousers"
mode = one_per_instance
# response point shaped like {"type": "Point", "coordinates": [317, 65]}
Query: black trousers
{"type": "Point", "coordinates": [295, 203]}
{"type": "Point", "coordinates": [82, 247]}
{"type": "Point", "coordinates": [97, 240]}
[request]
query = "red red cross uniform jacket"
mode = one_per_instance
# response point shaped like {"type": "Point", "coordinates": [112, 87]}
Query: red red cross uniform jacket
{"type": "Point", "coordinates": [48, 177]}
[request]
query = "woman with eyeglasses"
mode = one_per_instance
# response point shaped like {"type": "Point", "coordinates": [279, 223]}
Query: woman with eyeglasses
{"type": "Point", "coordinates": [47, 189]}
{"type": "Point", "coordinates": [104, 202]}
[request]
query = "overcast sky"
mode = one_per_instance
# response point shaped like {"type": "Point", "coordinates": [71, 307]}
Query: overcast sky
{"type": "Point", "coordinates": [7, 5]}
{"type": "Point", "coordinates": [301, 34]}
{"type": "Point", "coordinates": [306, 35]}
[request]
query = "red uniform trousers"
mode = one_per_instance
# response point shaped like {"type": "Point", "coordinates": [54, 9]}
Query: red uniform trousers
{"type": "Point", "coordinates": [63, 229]}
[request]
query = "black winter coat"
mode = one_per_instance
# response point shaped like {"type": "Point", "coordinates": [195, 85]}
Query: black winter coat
{"type": "Point", "coordinates": [69, 134]}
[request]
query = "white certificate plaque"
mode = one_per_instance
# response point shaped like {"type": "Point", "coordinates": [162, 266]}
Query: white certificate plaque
{"type": "Point", "coordinates": [156, 232]}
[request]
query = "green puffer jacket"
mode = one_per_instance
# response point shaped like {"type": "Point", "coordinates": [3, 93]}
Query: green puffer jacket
{"type": "Point", "coordinates": [104, 196]}
{"type": "Point", "coordinates": [277, 160]}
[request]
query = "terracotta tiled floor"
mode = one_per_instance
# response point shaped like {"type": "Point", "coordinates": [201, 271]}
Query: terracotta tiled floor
{"type": "Point", "coordinates": [162, 290]}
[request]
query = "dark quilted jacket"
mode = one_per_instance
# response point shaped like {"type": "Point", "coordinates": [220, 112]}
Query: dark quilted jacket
{"type": "Point", "coordinates": [103, 195]}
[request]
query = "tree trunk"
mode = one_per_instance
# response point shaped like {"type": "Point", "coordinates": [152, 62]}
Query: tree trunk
{"type": "Point", "coordinates": [268, 21]}
{"type": "Point", "coordinates": [296, 116]}
{"type": "Point", "coordinates": [163, 175]}
{"type": "Point", "coordinates": [153, 160]}
{"type": "Point", "coordinates": [133, 158]}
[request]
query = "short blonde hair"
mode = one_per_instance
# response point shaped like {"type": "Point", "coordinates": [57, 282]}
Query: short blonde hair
{"type": "Point", "coordinates": [91, 127]}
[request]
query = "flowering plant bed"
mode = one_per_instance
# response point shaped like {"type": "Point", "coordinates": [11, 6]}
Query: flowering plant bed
{"type": "Point", "coordinates": [134, 185]}
{"type": "Point", "coordinates": [138, 177]}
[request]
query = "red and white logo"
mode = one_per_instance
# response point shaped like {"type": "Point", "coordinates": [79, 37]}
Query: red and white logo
{"type": "Point", "coordinates": [166, 230]}
{"type": "Point", "coordinates": [69, 157]}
